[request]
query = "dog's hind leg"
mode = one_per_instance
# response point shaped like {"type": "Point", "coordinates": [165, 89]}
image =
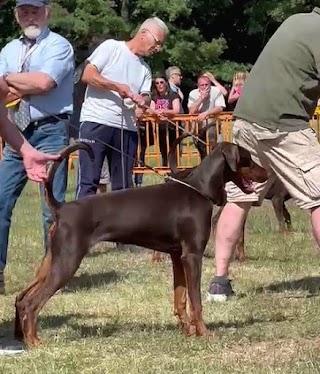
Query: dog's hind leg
{"type": "Point", "coordinates": [180, 292]}
{"type": "Point", "coordinates": [278, 205]}
{"type": "Point", "coordinates": [30, 289]}
{"type": "Point", "coordinates": [192, 263]}
{"type": "Point", "coordinates": [62, 269]}
{"type": "Point", "coordinates": [287, 217]}
{"type": "Point", "coordinates": [42, 270]}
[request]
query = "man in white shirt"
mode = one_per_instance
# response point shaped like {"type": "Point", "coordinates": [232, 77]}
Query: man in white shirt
{"type": "Point", "coordinates": [118, 79]}
{"type": "Point", "coordinates": [206, 101]}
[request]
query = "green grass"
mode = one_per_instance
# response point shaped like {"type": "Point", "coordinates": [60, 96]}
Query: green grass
{"type": "Point", "coordinates": [115, 316]}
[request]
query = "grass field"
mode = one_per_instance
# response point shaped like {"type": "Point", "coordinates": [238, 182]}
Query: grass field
{"type": "Point", "coordinates": [116, 314]}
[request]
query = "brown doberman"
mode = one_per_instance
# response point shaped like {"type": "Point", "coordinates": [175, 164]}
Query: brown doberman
{"type": "Point", "coordinates": [170, 217]}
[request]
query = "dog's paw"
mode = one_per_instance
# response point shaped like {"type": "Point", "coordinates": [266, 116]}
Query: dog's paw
{"type": "Point", "coordinates": [33, 342]}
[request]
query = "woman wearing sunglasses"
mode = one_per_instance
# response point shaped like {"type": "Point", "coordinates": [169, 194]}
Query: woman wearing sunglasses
{"type": "Point", "coordinates": [164, 103]}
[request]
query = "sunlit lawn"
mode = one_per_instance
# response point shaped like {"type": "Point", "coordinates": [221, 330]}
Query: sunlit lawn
{"type": "Point", "coordinates": [116, 314]}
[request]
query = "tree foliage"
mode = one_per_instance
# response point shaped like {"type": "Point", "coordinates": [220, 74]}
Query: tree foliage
{"type": "Point", "coordinates": [217, 35]}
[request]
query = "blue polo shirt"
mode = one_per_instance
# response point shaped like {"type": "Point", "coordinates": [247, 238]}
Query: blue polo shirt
{"type": "Point", "coordinates": [53, 56]}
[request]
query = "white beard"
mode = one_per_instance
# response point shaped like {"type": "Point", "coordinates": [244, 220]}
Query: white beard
{"type": "Point", "coordinates": [32, 32]}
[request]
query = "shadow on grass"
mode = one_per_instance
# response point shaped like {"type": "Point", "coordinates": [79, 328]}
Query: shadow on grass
{"type": "Point", "coordinates": [77, 330]}
{"type": "Point", "coordinates": [242, 324]}
{"type": "Point", "coordinates": [88, 281]}
{"type": "Point", "coordinates": [310, 284]}
{"type": "Point", "coordinates": [7, 327]}
{"type": "Point", "coordinates": [105, 330]}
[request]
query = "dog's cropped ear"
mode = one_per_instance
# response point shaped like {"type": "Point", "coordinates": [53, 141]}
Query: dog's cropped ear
{"type": "Point", "coordinates": [231, 154]}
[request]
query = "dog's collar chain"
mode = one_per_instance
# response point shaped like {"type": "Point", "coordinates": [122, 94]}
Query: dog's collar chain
{"type": "Point", "coordinates": [169, 178]}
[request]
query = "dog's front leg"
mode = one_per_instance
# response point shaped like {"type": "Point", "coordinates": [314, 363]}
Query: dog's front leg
{"type": "Point", "coordinates": [287, 218]}
{"type": "Point", "coordinates": [180, 292]}
{"type": "Point", "coordinates": [278, 205]}
{"type": "Point", "coordinates": [192, 264]}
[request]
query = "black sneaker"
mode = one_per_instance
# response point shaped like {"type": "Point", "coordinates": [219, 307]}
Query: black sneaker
{"type": "Point", "coordinates": [2, 285]}
{"type": "Point", "coordinates": [220, 289]}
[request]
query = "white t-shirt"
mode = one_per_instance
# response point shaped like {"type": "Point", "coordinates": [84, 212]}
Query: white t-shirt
{"type": "Point", "coordinates": [116, 62]}
{"type": "Point", "coordinates": [215, 99]}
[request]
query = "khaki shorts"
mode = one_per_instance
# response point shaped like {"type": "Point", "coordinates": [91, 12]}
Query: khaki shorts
{"type": "Point", "coordinates": [293, 157]}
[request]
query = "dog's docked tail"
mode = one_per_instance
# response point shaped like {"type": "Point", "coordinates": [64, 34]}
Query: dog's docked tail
{"type": "Point", "coordinates": [48, 185]}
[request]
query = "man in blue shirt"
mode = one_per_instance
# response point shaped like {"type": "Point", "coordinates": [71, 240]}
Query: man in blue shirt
{"type": "Point", "coordinates": [38, 68]}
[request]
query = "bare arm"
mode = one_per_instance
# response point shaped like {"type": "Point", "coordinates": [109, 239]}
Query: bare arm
{"type": "Point", "coordinates": [233, 96]}
{"type": "Point", "coordinates": [33, 160]}
{"type": "Point", "coordinates": [175, 108]}
{"type": "Point", "coordinates": [92, 77]}
{"type": "Point", "coordinates": [214, 111]}
{"type": "Point", "coordinates": [194, 107]}
{"type": "Point", "coordinates": [219, 86]}
{"type": "Point", "coordinates": [30, 83]}
{"type": "Point", "coordinates": [9, 132]}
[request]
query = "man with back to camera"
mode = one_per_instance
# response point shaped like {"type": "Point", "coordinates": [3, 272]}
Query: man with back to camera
{"type": "Point", "coordinates": [276, 130]}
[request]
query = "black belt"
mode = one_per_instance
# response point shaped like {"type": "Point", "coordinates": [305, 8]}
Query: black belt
{"type": "Point", "coordinates": [51, 119]}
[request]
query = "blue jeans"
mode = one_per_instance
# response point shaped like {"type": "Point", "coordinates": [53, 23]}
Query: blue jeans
{"type": "Point", "coordinates": [48, 138]}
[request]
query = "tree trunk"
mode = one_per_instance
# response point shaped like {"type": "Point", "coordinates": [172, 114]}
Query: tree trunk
{"type": "Point", "coordinates": [125, 10]}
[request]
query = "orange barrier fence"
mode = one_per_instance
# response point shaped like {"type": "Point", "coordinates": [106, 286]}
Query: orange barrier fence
{"type": "Point", "coordinates": [155, 139]}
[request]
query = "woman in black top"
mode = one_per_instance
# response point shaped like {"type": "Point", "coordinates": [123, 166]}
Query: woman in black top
{"type": "Point", "coordinates": [165, 103]}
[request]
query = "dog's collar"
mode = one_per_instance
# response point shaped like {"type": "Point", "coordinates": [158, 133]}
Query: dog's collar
{"type": "Point", "coordinates": [169, 178]}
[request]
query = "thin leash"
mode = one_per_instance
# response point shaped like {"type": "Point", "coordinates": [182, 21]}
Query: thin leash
{"type": "Point", "coordinates": [140, 162]}
{"type": "Point", "coordinates": [122, 148]}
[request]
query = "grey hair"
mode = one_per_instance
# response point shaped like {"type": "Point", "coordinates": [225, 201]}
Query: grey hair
{"type": "Point", "coordinates": [155, 21]}
{"type": "Point", "coordinates": [170, 70]}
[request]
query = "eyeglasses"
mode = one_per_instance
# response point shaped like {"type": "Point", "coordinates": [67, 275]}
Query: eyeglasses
{"type": "Point", "coordinates": [179, 75]}
{"type": "Point", "coordinates": [160, 82]}
{"type": "Point", "coordinates": [156, 40]}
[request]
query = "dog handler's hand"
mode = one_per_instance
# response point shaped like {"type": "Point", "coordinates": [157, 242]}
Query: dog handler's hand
{"type": "Point", "coordinates": [35, 162]}
{"type": "Point", "coordinates": [139, 100]}
{"type": "Point", "coordinates": [124, 91]}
